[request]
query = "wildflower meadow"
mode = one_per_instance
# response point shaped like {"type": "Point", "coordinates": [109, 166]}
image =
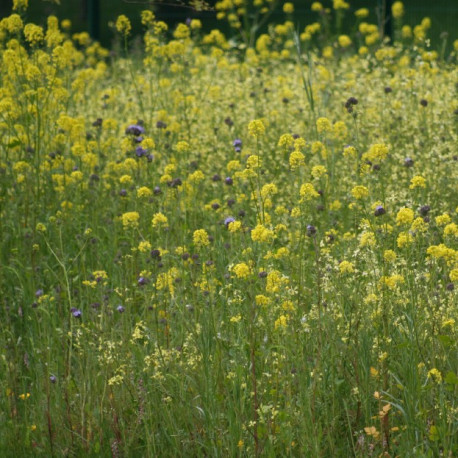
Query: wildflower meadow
{"type": "Point", "coordinates": [233, 243]}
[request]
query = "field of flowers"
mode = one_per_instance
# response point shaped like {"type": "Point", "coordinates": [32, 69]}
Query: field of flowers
{"type": "Point", "coordinates": [217, 246]}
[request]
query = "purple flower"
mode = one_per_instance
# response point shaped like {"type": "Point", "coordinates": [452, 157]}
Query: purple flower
{"type": "Point", "coordinates": [139, 151]}
{"type": "Point", "coordinates": [408, 162]}
{"type": "Point", "coordinates": [39, 293]}
{"type": "Point", "coordinates": [237, 143]}
{"type": "Point", "coordinates": [120, 308]}
{"type": "Point", "coordinates": [53, 379]}
{"type": "Point", "coordinates": [311, 230]}
{"type": "Point", "coordinates": [76, 312]}
{"type": "Point", "coordinates": [379, 210]}
{"type": "Point", "coordinates": [135, 129]}
{"type": "Point", "coordinates": [229, 181]}
{"type": "Point", "coordinates": [142, 281]}
{"type": "Point", "coordinates": [228, 220]}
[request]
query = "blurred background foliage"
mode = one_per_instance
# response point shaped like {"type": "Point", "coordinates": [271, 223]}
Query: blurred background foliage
{"type": "Point", "coordinates": [443, 14]}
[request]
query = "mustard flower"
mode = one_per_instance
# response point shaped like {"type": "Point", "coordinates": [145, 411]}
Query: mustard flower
{"type": "Point", "coordinates": [200, 238]}
{"type": "Point", "coordinates": [123, 25]}
{"type": "Point", "coordinates": [417, 182]}
{"type": "Point", "coordinates": [362, 13]}
{"type": "Point", "coordinates": [144, 191]}
{"type": "Point", "coordinates": [405, 216]}
{"type": "Point", "coordinates": [33, 34]}
{"type": "Point", "coordinates": [451, 229]}
{"type": "Point", "coordinates": [360, 192]}
{"type": "Point", "coordinates": [20, 4]}
{"type": "Point", "coordinates": [389, 256]}
{"type": "Point", "coordinates": [443, 219]}
{"type": "Point", "coordinates": [323, 125]}
{"type": "Point", "coordinates": [281, 322]}
{"type": "Point", "coordinates": [454, 275]}
{"type": "Point", "coordinates": [346, 267]}
{"type": "Point", "coordinates": [256, 128]}
{"type": "Point", "coordinates": [318, 171]}
{"type": "Point", "coordinates": [130, 220]}
{"type": "Point", "coordinates": [296, 160]}
{"type": "Point", "coordinates": [261, 234]}
{"type": "Point", "coordinates": [317, 7]}
{"type": "Point", "coordinates": [308, 191]}
{"type": "Point", "coordinates": [147, 17]}
{"type": "Point", "coordinates": [404, 239]}
{"type": "Point", "coordinates": [340, 5]}
{"type": "Point", "coordinates": [242, 270]}
{"type": "Point", "coordinates": [397, 10]}
{"type": "Point", "coordinates": [344, 41]}
{"type": "Point", "coordinates": [160, 220]}
{"type": "Point", "coordinates": [288, 8]}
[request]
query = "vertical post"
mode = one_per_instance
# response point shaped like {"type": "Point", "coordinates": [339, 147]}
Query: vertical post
{"type": "Point", "coordinates": [388, 28]}
{"type": "Point", "coordinates": [384, 18]}
{"type": "Point", "coordinates": [93, 17]}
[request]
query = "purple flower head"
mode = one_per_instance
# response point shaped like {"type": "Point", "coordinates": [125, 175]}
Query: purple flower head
{"type": "Point", "coordinates": [76, 312]}
{"type": "Point", "coordinates": [228, 220]}
{"type": "Point", "coordinates": [150, 157]}
{"type": "Point", "coordinates": [408, 162]}
{"type": "Point", "coordinates": [53, 379]}
{"type": "Point", "coordinates": [139, 151]}
{"type": "Point", "coordinates": [142, 281]}
{"type": "Point", "coordinates": [39, 293]}
{"type": "Point", "coordinates": [135, 129]}
{"type": "Point", "coordinates": [379, 210]}
{"type": "Point", "coordinates": [237, 143]}
{"type": "Point", "coordinates": [188, 21]}
{"type": "Point", "coordinates": [161, 125]}
{"type": "Point", "coordinates": [238, 149]}
{"type": "Point", "coordinates": [123, 193]}
{"type": "Point", "coordinates": [120, 308]}
{"type": "Point", "coordinates": [311, 230]}
{"type": "Point", "coordinates": [229, 181]}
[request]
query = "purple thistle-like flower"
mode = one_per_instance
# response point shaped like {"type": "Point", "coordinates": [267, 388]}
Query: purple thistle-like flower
{"type": "Point", "coordinates": [379, 210]}
{"type": "Point", "coordinates": [139, 151]}
{"type": "Point", "coordinates": [53, 379]}
{"type": "Point", "coordinates": [229, 181]}
{"type": "Point", "coordinates": [237, 143]}
{"type": "Point", "coordinates": [76, 312]}
{"type": "Point", "coordinates": [39, 293]}
{"type": "Point", "coordinates": [311, 230]}
{"type": "Point", "coordinates": [142, 281]}
{"type": "Point", "coordinates": [228, 220]}
{"type": "Point", "coordinates": [120, 309]}
{"type": "Point", "coordinates": [135, 129]}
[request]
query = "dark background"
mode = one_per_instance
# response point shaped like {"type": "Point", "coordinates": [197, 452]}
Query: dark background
{"type": "Point", "coordinates": [443, 13]}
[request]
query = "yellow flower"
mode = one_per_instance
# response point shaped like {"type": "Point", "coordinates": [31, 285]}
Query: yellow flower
{"type": "Point", "coordinates": [200, 238]}
{"type": "Point", "coordinates": [241, 270]}
{"type": "Point", "coordinates": [389, 256]}
{"type": "Point", "coordinates": [144, 192]}
{"type": "Point", "coordinates": [404, 238]}
{"type": "Point", "coordinates": [344, 41]}
{"type": "Point", "coordinates": [435, 375]}
{"type": "Point", "coordinates": [397, 10]}
{"type": "Point", "coordinates": [296, 160]}
{"type": "Point", "coordinates": [405, 216]}
{"type": "Point", "coordinates": [346, 267]}
{"type": "Point", "coordinates": [20, 4]}
{"type": "Point", "coordinates": [256, 128]}
{"type": "Point", "coordinates": [123, 25]}
{"type": "Point", "coordinates": [318, 171]}
{"type": "Point", "coordinates": [362, 13]}
{"type": "Point", "coordinates": [443, 219]}
{"type": "Point", "coordinates": [317, 6]}
{"type": "Point", "coordinates": [24, 396]}
{"type": "Point", "coordinates": [288, 8]}
{"type": "Point", "coordinates": [281, 322]}
{"type": "Point", "coordinates": [360, 192]}
{"type": "Point", "coordinates": [130, 219]}
{"type": "Point", "coordinates": [308, 191]}
{"type": "Point", "coordinates": [417, 182]}
{"type": "Point", "coordinates": [323, 125]}
{"type": "Point", "coordinates": [451, 229]}
{"type": "Point", "coordinates": [454, 275]}
{"type": "Point", "coordinates": [33, 34]}
{"type": "Point", "coordinates": [261, 234]}
{"type": "Point", "coordinates": [235, 226]}
{"type": "Point", "coordinates": [160, 220]}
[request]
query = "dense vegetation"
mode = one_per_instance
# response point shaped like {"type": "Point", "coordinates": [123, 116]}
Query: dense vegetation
{"type": "Point", "coordinates": [219, 246]}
